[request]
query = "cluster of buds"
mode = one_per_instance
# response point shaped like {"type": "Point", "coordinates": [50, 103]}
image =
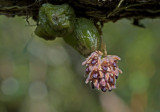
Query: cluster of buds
{"type": "Point", "coordinates": [102, 72]}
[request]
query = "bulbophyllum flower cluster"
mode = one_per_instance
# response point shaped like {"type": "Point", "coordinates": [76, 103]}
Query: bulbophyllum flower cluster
{"type": "Point", "coordinates": [102, 72]}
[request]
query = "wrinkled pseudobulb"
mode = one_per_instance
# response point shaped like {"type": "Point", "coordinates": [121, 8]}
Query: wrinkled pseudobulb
{"type": "Point", "coordinates": [55, 21]}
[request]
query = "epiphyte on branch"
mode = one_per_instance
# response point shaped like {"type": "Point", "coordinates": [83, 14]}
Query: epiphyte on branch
{"type": "Point", "coordinates": [81, 34]}
{"type": "Point", "coordinates": [55, 21]}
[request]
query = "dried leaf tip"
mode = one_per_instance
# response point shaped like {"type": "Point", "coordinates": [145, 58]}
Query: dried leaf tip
{"type": "Point", "coordinates": [102, 72]}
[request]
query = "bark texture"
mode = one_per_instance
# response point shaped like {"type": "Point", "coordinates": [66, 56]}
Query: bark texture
{"type": "Point", "coordinates": [98, 10]}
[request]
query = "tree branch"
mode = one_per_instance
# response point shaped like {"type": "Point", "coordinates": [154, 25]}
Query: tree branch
{"type": "Point", "coordinates": [99, 10]}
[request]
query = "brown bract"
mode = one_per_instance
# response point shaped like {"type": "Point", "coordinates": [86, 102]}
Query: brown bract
{"type": "Point", "coordinates": [102, 72]}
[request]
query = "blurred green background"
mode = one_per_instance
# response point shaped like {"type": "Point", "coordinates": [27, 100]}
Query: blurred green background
{"type": "Point", "coordinates": [47, 76]}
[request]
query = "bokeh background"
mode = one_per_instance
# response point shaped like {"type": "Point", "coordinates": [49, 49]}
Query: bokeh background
{"type": "Point", "coordinates": [47, 76]}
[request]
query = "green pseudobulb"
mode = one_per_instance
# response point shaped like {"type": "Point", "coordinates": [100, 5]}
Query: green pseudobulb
{"type": "Point", "coordinates": [55, 21]}
{"type": "Point", "coordinates": [60, 21]}
{"type": "Point", "coordinates": [85, 37]}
